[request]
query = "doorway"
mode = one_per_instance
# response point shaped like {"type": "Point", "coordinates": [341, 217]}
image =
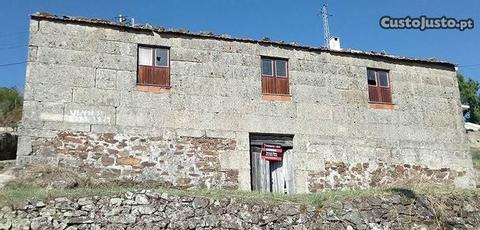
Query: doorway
{"type": "Point", "coordinates": [271, 161]}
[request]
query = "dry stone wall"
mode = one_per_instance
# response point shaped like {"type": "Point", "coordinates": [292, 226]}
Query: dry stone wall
{"type": "Point", "coordinates": [82, 78]}
{"type": "Point", "coordinates": [182, 162]}
{"type": "Point", "coordinates": [153, 210]}
{"type": "Point", "coordinates": [338, 175]}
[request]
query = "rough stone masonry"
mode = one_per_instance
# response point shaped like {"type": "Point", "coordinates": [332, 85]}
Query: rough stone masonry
{"type": "Point", "coordinates": [83, 109]}
{"type": "Point", "coordinates": [156, 210]}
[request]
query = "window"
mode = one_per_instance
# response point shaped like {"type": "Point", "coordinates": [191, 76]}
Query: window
{"type": "Point", "coordinates": [379, 86]}
{"type": "Point", "coordinates": [281, 68]}
{"type": "Point", "coordinates": [267, 67]}
{"type": "Point", "coordinates": [275, 76]}
{"type": "Point", "coordinates": [153, 66]}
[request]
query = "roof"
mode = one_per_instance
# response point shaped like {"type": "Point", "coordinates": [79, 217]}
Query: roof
{"type": "Point", "coordinates": [158, 29]}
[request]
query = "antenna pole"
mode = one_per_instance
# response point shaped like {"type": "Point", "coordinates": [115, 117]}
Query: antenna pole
{"type": "Point", "coordinates": [326, 29]}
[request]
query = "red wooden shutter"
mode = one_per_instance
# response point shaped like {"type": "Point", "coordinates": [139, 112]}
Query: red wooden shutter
{"type": "Point", "coordinates": [373, 94]}
{"type": "Point", "coordinates": [161, 76]}
{"type": "Point", "coordinates": [378, 92]}
{"type": "Point", "coordinates": [281, 85]}
{"type": "Point", "coordinates": [268, 85]}
{"type": "Point", "coordinates": [144, 75]}
{"type": "Point", "coordinates": [275, 84]}
{"type": "Point", "coordinates": [153, 75]}
{"type": "Point", "coordinates": [385, 94]}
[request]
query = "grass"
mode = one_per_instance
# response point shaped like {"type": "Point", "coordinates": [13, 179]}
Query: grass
{"type": "Point", "coordinates": [33, 184]}
{"type": "Point", "coordinates": [16, 193]}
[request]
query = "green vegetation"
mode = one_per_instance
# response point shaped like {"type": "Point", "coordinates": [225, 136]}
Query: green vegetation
{"type": "Point", "coordinates": [10, 106]}
{"type": "Point", "coordinates": [35, 182]}
{"type": "Point", "coordinates": [16, 193]}
{"type": "Point", "coordinates": [469, 96]}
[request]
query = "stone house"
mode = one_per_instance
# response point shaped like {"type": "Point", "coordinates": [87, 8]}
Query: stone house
{"type": "Point", "coordinates": [200, 110]}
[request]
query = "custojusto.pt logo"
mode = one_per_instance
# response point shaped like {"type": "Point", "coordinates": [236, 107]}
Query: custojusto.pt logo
{"type": "Point", "coordinates": [425, 23]}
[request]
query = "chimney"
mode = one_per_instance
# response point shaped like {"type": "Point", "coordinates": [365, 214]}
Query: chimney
{"type": "Point", "coordinates": [334, 43]}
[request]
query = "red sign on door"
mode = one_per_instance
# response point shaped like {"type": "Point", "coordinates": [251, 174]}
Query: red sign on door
{"type": "Point", "coordinates": [272, 152]}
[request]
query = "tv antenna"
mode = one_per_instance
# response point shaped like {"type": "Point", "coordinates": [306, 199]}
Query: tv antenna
{"type": "Point", "coordinates": [123, 19]}
{"type": "Point", "coordinates": [326, 28]}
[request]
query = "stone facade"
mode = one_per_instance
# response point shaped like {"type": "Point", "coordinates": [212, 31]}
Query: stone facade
{"type": "Point", "coordinates": [81, 85]}
{"type": "Point", "coordinates": [181, 162]}
{"type": "Point", "coordinates": [154, 210]}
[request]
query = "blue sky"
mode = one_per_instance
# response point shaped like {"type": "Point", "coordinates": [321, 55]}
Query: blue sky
{"type": "Point", "coordinates": [355, 22]}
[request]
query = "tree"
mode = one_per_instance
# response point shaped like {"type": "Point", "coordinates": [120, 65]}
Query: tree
{"type": "Point", "coordinates": [10, 106]}
{"type": "Point", "coordinates": [469, 96]}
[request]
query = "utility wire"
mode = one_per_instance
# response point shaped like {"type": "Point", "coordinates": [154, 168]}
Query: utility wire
{"type": "Point", "coordinates": [466, 66]}
{"type": "Point", "coordinates": [10, 64]}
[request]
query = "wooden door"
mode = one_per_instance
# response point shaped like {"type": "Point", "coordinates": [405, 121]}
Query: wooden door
{"type": "Point", "coordinates": [272, 176]}
{"type": "Point", "coordinates": [278, 178]}
{"type": "Point", "coordinates": [260, 171]}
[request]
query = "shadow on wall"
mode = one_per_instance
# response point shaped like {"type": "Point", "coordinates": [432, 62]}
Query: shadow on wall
{"type": "Point", "coordinates": [8, 146]}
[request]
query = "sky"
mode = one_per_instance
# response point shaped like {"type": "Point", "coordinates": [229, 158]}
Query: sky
{"type": "Point", "coordinates": [355, 22]}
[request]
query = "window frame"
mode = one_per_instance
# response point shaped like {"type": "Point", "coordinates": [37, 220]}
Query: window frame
{"type": "Point", "coordinates": [154, 65]}
{"type": "Point", "coordinates": [155, 57]}
{"type": "Point", "coordinates": [374, 75]}
{"type": "Point", "coordinates": [378, 78]}
{"type": "Point", "coordinates": [138, 55]}
{"type": "Point", "coordinates": [378, 87]}
{"type": "Point", "coordinates": [274, 75]}
{"type": "Point", "coordinates": [286, 68]}
{"type": "Point", "coordinates": [271, 64]}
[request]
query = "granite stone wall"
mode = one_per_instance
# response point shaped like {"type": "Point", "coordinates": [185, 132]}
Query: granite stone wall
{"type": "Point", "coordinates": [338, 175]}
{"type": "Point", "coordinates": [82, 78]}
{"type": "Point", "coordinates": [153, 210]}
{"type": "Point", "coordinates": [182, 162]}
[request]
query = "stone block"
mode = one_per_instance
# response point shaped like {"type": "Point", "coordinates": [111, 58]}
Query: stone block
{"type": "Point", "coordinates": [116, 62]}
{"type": "Point", "coordinates": [220, 134]}
{"type": "Point", "coordinates": [139, 99]}
{"type": "Point", "coordinates": [244, 180]}
{"type": "Point", "coordinates": [126, 80]}
{"type": "Point", "coordinates": [243, 141]}
{"type": "Point", "coordinates": [90, 114]}
{"type": "Point", "coordinates": [141, 117]}
{"type": "Point", "coordinates": [73, 58]}
{"type": "Point", "coordinates": [235, 160]}
{"type": "Point", "coordinates": [47, 93]}
{"type": "Point", "coordinates": [266, 124]}
{"type": "Point", "coordinates": [42, 111]}
{"type": "Point", "coordinates": [190, 55]}
{"type": "Point", "coordinates": [95, 96]}
{"type": "Point", "coordinates": [61, 75]}
{"type": "Point", "coordinates": [105, 79]}
{"type": "Point", "coordinates": [311, 111]}
{"type": "Point", "coordinates": [66, 126]}
{"type": "Point", "coordinates": [24, 146]}
{"type": "Point", "coordinates": [189, 133]}
{"type": "Point", "coordinates": [116, 47]}
{"type": "Point", "coordinates": [275, 109]}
